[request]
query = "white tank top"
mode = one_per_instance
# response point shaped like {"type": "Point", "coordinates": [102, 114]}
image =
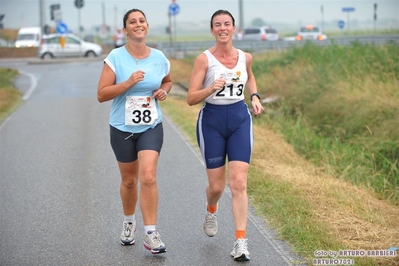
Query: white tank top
{"type": "Point", "coordinates": [236, 78]}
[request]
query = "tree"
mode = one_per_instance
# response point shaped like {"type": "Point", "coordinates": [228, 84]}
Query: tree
{"type": "Point", "coordinates": [258, 22]}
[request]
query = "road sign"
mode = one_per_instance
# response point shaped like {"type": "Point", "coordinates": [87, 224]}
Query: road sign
{"type": "Point", "coordinates": [79, 3]}
{"type": "Point", "coordinates": [348, 9]}
{"type": "Point", "coordinates": [1, 21]}
{"type": "Point", "coordinates": [55, 12]}
{"type": "Point", "coordinates": [174, 9]}
{"type": "Point", "coordinates": [341, 24]}
{"type": "Point", "coordinates": [55, 7]}
{"type": "Point", "coordinates": [62, 27]}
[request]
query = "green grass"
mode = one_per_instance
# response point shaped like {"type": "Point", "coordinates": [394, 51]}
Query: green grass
{"type": "Point", "coordinates": [293, 218]}
{"type": "Point", "coordinates": [331, 98]}
{"type": "Point", "coordinates": [340, 110]}
{"type": "Point", "coordinates": [287, 208]}
{"type": "Point", "coordinates": [291, 214]}
{"type": "Point", "coordinates": [10, 97]}
{"type": "Point", "coordinates": [333, 33]}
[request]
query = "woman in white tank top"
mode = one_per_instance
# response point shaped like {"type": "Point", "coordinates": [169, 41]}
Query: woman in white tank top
{"type": "Point", "coordinates": [224, 127]}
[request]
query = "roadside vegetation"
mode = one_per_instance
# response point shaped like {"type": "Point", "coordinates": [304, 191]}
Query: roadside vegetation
{"type": "Point", "coordinates": [9, 96]}
{"type": "Point", "coordinates": [367, 32]}
{"type": "Point", "coordinates": [340, 110]}
{"type": "Point", "coordinates": [324, 171]}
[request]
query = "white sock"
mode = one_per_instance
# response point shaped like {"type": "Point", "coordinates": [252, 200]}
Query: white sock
{"type": "Point", "coordinates": [130, 218]}
{"type": "Point", "coordinates": [149, 228]}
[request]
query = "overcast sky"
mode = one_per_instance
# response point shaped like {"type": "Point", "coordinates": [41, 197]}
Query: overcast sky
{"type": "Point", "coordinates": [20, 13]}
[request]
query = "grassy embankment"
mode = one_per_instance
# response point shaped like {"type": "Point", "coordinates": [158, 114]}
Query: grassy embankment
{"type": "Point", "coordinates": [9, 96]}
{"type": "Point", "coordinates": [325, 166]}
{"type": "Point", "coordinates": [343, 103]}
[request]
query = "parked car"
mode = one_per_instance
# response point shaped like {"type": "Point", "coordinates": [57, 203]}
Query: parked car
{"type": "Point", "coordinates": [28, 37]}
{"type": "Point", "coordinates": [310, 32]}
{"type": "Point", "coordinates": [67, 45]}
{"type": "Point", "coordinates": [264, 33]}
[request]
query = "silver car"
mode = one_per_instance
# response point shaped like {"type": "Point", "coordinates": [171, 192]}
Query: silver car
{"type": "Point", "coordinates": [67, 45]}
{"type": "Point", "coordinates": [264, 33]}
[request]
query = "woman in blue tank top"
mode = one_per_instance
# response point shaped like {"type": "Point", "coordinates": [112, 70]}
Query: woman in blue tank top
{"type": "Point", "coordinates": [135, 77]}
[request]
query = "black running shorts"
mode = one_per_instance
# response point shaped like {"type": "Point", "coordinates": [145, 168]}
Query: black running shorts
{"type": "Point", "coordinates": [126, 145]}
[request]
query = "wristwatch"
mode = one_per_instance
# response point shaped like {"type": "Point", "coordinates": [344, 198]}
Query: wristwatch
{"type": "Point", "coordinates": [254, 94]}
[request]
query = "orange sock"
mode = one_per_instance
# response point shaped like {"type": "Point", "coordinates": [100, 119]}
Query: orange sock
{"type": "Point", "coordinates": [240, 234]}
{"type": "Point", "coordinates": [211, 209]}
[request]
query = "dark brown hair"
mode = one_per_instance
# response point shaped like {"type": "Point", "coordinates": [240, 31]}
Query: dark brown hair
{"type": "Point", "coordinates": [222, 12]}
{"type": "Point", "coordinates": [125, 17]}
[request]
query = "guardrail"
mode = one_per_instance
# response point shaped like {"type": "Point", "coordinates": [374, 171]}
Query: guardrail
{"type": "Point", "coordinates": [183, 49]}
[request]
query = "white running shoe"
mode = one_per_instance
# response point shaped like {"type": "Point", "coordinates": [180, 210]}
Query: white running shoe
{"type": "Point", "coordinates": [210, 224]}
{"type": "Point", "coordinates": [153, 242]}
{"type": "Point", "coordinates": [127, 235]}
{"type": "Point", "coordinates": [240, 250]}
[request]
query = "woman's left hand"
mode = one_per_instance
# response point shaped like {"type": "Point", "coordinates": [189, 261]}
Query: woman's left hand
{"type": "Point", "coordinates": [257, 107]}
{"type": "Point", "coordinates": [160, 95]}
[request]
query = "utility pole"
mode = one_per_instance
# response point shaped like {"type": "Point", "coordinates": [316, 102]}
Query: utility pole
{"type": "Point", "coordinates": [375, 16]}
{"type": "Point", "coordinates": [322, 17]}
{"type": "Point", "coordinates": [170, 29]}
{"type": "Point", "coordinates": [241, 16]}
{"type": "Point", "coordinates": [103, 12]}
{"type": "Point", "coordinates": [79, 4]}
{"type": "Point", "coordinates": [115, 18]}
{"type": "Point", "coordinates": [41, 14]}
{"type": "Point", "coordinates": [104, 27]}
{"type": "Point", "coordinates": [348, 10]}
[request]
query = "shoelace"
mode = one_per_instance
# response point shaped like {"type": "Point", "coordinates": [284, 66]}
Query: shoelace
{"type": "Point", "coordinates": [210, 219]}
{"type": "Point", "coordinates": [156, 238]}
{"type": "Point", "coordinates": [241, 245]}
{"type": "Point", "coordinates": [128, 229]}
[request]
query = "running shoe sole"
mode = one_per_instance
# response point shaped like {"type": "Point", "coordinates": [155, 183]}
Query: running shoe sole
{"type": "Point", "coordinates": [241, 258]}
{"type": "Point", "coordinates": [128, 243]}
{"type": "Point", "coordinates": [155, 251]}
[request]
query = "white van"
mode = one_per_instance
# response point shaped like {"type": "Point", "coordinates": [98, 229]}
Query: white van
{"type": "Point", "coordinates": [28, 37]}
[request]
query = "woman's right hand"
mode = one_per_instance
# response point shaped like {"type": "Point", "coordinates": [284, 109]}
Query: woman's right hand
{"type": "Point", "coordinates": [135, 78]}
{"type": "Point", "coordinates": [217, 85]}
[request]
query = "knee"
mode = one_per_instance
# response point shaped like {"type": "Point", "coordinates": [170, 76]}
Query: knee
{"type": "Point", "coordinates": [238, 185]}
{"type": "Point", "coordinates": [129, 183]}
{"type": "Point", "coordinates": [217, 189]}
{"type": "Point", "coordinates": [148, 180]}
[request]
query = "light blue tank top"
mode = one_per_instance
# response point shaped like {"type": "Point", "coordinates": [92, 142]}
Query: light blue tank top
{"type": "Point", "coordinates": [156, 66]}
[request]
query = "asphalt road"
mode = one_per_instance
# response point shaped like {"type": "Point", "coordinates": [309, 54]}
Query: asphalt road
{"type": "Point", "coordinates": [59, 185]}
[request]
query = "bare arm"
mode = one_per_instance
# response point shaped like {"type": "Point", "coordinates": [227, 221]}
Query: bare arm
{"type": "Point", "coordinates": [257, 107]}
{"type": "Point", "coordinates": [196, 93]}
{"type": "Point", "coordinates": [108, 90]}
